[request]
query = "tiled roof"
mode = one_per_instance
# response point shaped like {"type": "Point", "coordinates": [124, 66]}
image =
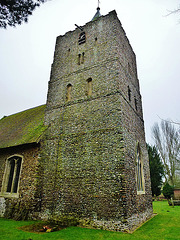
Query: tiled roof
{"type": "Point", "coordinates": [22, 128]}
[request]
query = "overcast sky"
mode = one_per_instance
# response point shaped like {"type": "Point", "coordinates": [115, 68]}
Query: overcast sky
{"type": "Point", "coordinates": [26, 53]}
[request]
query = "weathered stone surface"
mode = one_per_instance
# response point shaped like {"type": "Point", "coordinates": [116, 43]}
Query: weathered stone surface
{"type": "Point", "coordinates": [28, 198]}
{"type": "Point", "coordinates": [89, 151]}
{"type": "Point", "coordinates": [2, 206]}
{"type": "Point", "coordinates": [86, 162]}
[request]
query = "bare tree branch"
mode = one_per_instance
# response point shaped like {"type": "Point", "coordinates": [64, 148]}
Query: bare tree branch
{"type": "Point", "coordinates": [169, 120]}
{"type": "Point", "coordinates": [174, 11]}
{"type": "Point", "coordinates": [167, 141]}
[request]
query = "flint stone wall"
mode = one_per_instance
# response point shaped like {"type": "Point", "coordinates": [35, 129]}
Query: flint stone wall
{"type": "Point", "coordinates": [89, 150]}
{"type": "Point", "coordinates": [88, 153]}
{"type": "Point", "coordinates": [28, 198]}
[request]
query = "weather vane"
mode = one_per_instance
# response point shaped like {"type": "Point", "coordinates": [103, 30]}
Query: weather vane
{"type": "Point", "coordinates": [98, 3]}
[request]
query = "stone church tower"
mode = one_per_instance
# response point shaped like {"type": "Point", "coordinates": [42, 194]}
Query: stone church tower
{"type": "Point", "coordinates": [94, 155]}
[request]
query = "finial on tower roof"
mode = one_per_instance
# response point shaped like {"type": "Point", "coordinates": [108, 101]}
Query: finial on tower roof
{"type": "Point", "coordinates": [98, 4]}
{"type": "Point", "coordinates": [98, 14]}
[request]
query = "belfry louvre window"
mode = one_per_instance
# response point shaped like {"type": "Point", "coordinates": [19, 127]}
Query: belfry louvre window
{"type": "Point", "coordinates": [82, 38]}
{"type": "Point", "coordinates": [139, 171]}
{"type": "Point", "coordinates": [12, 173]}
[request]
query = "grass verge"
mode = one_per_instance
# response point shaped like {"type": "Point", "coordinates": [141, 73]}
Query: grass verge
{"type": "Point", "coordinates": [164, 226]}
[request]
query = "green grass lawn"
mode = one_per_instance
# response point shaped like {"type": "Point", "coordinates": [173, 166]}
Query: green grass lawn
{"type": "Point", "coordinates": [164, 226]}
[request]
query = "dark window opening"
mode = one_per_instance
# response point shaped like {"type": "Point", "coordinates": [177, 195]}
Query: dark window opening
{"type": "Point", "coordinates": [16, 179]}
{"type": "Point", "coordinates": [11, 174]}
{"type": "Point", "coordinates": [14, 166]}
{"type": "Point", "coordinates": [135, 103]}
{"type": "Point", "coordinates": [82, 38]}
{"type": "Point", "coordinates": [82, 58]}
{"type": "Point", "coordinates": [129, 93]}
{"type": "Point", "coordinates": [79, 59]}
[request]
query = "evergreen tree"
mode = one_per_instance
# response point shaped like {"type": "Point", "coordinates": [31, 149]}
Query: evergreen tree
{"type": "Point", "coordinates": [156, 170]}
{"type": "Point", "coordinates": [13, 12]}
{"type": "Point", "coordinates": [168, 191]}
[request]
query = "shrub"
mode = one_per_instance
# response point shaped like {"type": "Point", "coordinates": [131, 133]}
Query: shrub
{"type": "Point", "coordinates": [168, 191]}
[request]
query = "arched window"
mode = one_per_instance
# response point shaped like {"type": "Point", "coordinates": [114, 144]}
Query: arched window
{"type": "Point", "coordinates": [68, 92]}
{"type": "Point", "coordinates": [139, 170]}
{"type": "Point", "coordinates": [81, 58]}
{"type": "Point", "coordinates": [89, 86]}
{"type": "Point", "coordinates": [12, 174]}
{"type": "Point", "coordinates": [82, 38]}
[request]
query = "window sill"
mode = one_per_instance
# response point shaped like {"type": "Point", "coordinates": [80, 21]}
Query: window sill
{"type": "Point", "coordinates": [140, 192]}
{"type": "Point", "coordinates": [9, 195]}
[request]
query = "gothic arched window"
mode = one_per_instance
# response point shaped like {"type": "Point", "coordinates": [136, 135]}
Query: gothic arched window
{"type": "Point", "coordinates": [12, 174]}
{"type": "Point", "coordinates": [139, 170]}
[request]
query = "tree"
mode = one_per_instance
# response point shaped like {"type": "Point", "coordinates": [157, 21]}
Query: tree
{"type": "Point", "coordinates": [167, 141]}
{"type": "Point", "coordinates": [156, 170]}
{"type": "Point", "coordinates": [177, 10]}
{"type": "Point", "coordinates": [168, 191]}
{"type": "Point", "coordinates": [13, 12]}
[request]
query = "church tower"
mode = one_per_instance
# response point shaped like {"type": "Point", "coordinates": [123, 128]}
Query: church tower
{"type": "Point", "coordinates": [94, 155]}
